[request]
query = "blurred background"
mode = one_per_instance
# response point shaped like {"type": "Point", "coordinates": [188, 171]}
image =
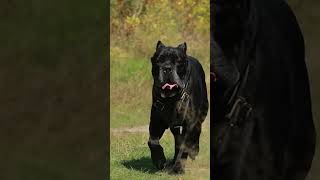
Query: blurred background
{"type": "Point", "coordinates": [308, 15]}
{"type": "Point", "coordinates": [53, 90]}
{"type": "Point", "coordinates": [136, 27]}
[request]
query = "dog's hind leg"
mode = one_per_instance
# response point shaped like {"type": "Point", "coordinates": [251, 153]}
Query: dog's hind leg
{"type": "Point", "coordinates": [180, 155]}
{"type": "Point", "coordinates": [192, 141]}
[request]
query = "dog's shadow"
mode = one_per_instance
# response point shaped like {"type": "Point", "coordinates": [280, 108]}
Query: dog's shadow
{"type": "Point", "coordinates": [143, 164]}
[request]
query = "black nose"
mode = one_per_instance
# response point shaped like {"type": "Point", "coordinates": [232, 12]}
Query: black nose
{"type": "Point", "coordinates": [167, 70]}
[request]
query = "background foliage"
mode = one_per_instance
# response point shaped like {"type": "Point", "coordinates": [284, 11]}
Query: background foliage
{"type": "Point", "coordinates": [53, 98]}
{"type": "Point", "coordinates": [136, 26]}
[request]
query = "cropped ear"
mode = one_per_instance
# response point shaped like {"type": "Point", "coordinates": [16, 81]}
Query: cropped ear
{"type": "Point", "coordinates": [183, 47]}
{"type": "Point", "coordinates": [160, 45]}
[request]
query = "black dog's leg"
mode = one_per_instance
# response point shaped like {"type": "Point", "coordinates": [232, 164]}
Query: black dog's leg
{"type": "Point", "coordinates": [158, 158]}
{"type": "Point", "coordinates": [192, 141]}
{"type": "Point", "coordinates": [180, 155]}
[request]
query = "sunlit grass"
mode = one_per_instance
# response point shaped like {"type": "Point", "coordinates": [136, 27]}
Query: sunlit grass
{"type": "Point", "coordinates": [130, 157]}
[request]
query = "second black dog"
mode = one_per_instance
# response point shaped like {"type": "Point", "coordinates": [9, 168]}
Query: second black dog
{"type": "Point", "coordinates": [179, 102]}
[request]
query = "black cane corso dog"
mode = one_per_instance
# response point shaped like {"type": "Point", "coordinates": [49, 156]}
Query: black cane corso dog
{"type": "Point", "coordinates": [179, 102]}
{"type": "Point", "coordinates": [262, 127]}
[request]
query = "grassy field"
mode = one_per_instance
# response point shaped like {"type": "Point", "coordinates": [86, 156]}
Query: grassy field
{"type": "Point", "coordinates": [130, 88]}
{"type": "Point", "coordinates": [130, 156]}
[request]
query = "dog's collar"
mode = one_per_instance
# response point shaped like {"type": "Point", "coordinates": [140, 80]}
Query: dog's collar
{"type": "Point", "coordinates": [161, 104]}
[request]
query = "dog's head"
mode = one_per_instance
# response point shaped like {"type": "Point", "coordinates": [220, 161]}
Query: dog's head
{"type": "Point", "coordinates": [169, 68]}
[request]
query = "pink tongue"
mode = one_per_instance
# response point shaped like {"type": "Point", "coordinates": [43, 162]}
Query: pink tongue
{"type": "Point", "coordinates": [169, 85]}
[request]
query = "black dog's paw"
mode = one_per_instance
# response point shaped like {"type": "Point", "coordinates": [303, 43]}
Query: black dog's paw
{"type": "Point", "coordinates": [177, 168]}
{"type": "Point", "coordinates": [157, 156]}
{"type": "Point", "coordinates": [169, 164]}
{"type": "Point", "coordinates": [194, 151]}
{"type": "Point", "coordinates": [160, 164]}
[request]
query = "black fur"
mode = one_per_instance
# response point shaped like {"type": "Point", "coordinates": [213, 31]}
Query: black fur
{"type": "Point", "coordinates": [182, 108]}
{"type": "Point", "coordinates": [277, 140]}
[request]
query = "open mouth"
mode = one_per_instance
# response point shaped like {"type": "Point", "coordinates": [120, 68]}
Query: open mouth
{"type": "Point", "coordinates": [169, 86]}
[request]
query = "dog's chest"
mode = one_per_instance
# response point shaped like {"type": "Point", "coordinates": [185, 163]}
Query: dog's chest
{"type": "Point", "coordinates": [177, 114]}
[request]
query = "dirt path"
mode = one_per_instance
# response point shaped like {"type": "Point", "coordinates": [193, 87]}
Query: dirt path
{"type": "Point", "coordinates": [137, 129]}
{"type": "Point", "coordinates": [142, 129]}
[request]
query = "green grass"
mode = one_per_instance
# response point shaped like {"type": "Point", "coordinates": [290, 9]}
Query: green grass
{"type": "Point", "coordinates": [130, 87]}
{"type": "Point", "coordinates": [130, 157]}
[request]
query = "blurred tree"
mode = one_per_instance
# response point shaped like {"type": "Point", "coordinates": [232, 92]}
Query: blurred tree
{"type": "Point", "coordinates": [138, 24]}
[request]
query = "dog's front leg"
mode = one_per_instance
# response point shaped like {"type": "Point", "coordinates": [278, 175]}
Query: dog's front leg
{"type": "Point", "coordinates": [180, 155]}
{"type": "Point", "coordinates": [158, 158]}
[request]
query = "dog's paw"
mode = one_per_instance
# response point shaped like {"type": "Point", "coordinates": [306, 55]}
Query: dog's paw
{"type": "Point", "coordinates": [159, 160]}
{"type": "Point", "coordinates": [160, 164]}
{"type": "Point", "coordinates": [177, 168]}
{"type": "Point", "coordinates": [157, 156]}
{"type": "Point", "coordinates": [194, 151]}
{"type": "Point", "coordinates": [169, 164]}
